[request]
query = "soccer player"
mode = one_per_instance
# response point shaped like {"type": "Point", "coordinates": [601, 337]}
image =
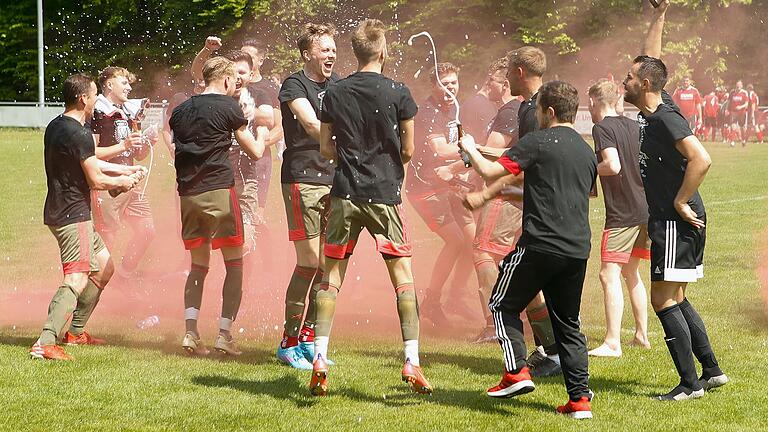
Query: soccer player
{"type": "Point", "coordinates": [738, 106]}
{"type": "Point", "coordinates": [550, 257]}
{"type": "Point", "coordinates": [625, 235]}
{"type": "Point", "coordinates": [688, 98]}
{"type": "Point", "coordinates": [72, 170]}
{"type": "Point", "coordinates": [367, 128]}
{"type": "Point", "coordinates": [710, 112]}
{"type": "Point", "coordinates": [434, 199]}
{"type": "Point", "coordinates": [754, 102]}
{"type": "Point", "coordinates": [118, 141]}
{"type": "Point", "coordinates": [673, 164]}
{"type": "Point", "coordinates": [306, 182]}
{"type": "Point", "coordinates": [499, 219]}
{"type": "Point", "coordinates": [210, 214]}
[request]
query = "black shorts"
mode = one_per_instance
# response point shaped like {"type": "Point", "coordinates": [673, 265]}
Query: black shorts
{"type": "Point", "coordinates": [677, 251]}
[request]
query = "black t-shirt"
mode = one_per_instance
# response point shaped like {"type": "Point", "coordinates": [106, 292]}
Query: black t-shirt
{"type": "Point", "coordinates": [526, 116]}
{"type": "Point", "coordinates": [477, 113]}
{"type": "Point", "coordinates": [560, 170]}
{"type": "Point", "coordinates": [302, 162]}
{"type": "Point", "coordinates": [662, 167]}
{"type": "Point", "coordinates": [433, 119]}
{"type": "Point", "coordinates": [112, 129]}
{"type": "Point", "coordinates": [202, 133]}
{"type": "Point", "coordinates": [506, 120]}
{"type": "Point", "coordinates": [365, 109]}
{"type": "Point", "coordinates": [67, 142]}
{"type": "Point", "coordinates": [623, 193]}
{"type": "Point", "coordinates": [243, 165]}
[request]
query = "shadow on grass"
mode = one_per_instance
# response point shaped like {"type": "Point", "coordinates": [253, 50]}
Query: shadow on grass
{"type": "Point", "coordinates": [478, 365]}
{"type": "Point", "coordinates": [286, 388]}
{"type": "Point", "coordinates": [170, 344]}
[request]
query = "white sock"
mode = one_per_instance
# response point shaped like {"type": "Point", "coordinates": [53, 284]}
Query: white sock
{"type": "Point", "coordinates": [411, 348]}
{"type": "Point", "coordinates": [225, 324]}
{"type": "Point", "coordinates": [321, 347]}
{"type": "Point", "coordinates": [555, 358]}
{"type": "Point", "coordinates": [191, 313]}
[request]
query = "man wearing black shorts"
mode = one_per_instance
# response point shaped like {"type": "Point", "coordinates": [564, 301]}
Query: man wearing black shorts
{"type": "Point", "coordinates": [550, 257]}
{"type": "Point", "coordinates": [72, 169]}
{"type": "Point", "coordinates": [210, 213]}
{"type": "Point", "coordinates": [673, 164]}
{"type": "Point", "coordinates": [367, 128]}
{"type": "Point", "coordinates": [306, 182]}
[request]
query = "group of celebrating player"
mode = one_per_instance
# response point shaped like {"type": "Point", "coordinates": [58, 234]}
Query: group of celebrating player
{"type": "Point", "coordinates": [348, 142]}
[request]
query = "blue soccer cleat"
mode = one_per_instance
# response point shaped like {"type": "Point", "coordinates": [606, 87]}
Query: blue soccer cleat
{"type": "Point", "coordinates": [294, 357]}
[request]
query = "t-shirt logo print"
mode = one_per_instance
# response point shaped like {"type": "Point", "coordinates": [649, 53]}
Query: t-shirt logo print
{"type": "Point", "coordinates": [122, 129]}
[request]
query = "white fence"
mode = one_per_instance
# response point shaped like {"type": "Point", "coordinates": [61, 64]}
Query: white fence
{"type": "Point", "coordinates": [34, 116]}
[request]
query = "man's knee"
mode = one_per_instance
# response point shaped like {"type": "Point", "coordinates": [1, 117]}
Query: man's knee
{"type": "Point", "coordinates": [76, 282]}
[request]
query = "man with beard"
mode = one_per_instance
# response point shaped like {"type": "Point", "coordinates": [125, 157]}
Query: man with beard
{"type": "Point", "coordinates": [306, 182]}
{"type": "Point", "coordinates": [673, 164]}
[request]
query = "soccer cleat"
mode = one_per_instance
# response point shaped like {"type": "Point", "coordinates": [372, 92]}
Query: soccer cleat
{"type": "Point", "coordinates": [318, 384]}
{"type": "Point", "coordinates": [513, 384]}
{"type": "Point", "coordinates": [541, 366]}
{"type": "Point", "coordinates": [226, 346]}
{"type": "Point", "coordinates": [413, 375]}
{"type": "Point", "coordinates": [579, 410]}
{"type": "Point", "coordinates": [488, 335]}
{"type": "Point", "coordinates": [294, 357]}
{"type": "Point", "coordinates": [193, 346]}
{"type": "Point", "coordinates": [308, 350]}
{"type": "Point", "coordinates": [82, 339]}
{"type": "Point", "coordinates": [713, 382]}
{"type": "Point", "coordinates": [680, 393]}
{"type": "Point", "coordinates": [48, 352]}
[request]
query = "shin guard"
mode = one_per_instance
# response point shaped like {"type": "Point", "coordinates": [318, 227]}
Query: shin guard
{"type": "Point", "coordinates": [408, 311]}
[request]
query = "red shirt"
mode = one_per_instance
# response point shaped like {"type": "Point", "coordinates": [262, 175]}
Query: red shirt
{"type": "Point", "coordinates": [739, 97]}
{"type": "Point", "coordinates": [687, 99]}
{"type": "Point", "coordinates": [711, 105]}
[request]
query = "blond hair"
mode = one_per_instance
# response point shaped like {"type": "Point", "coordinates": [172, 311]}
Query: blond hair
{"type": "Point", "coordinates": [112, 72]}
{"type": "Point", "coordinates": [312, 32]}
{"type": "Point", "coordinates": [368, 40]}
{"type": "Point", "coordinates": [501, 64]}
{"type": "Point", "coordinates": [216, 68]}
{"type": "Point", "coordinates": [604, 91]}
{"type": "Point", "coordinates": [531, 59]}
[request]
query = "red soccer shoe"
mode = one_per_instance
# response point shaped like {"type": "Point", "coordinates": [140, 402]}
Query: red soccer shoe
{"type": "Point", "coordinates": [513, 384]}
{"type": "Point", "coordinates": [48, 352]}
{"type": "Point", "coordinates": [82, 339]}
{"type": "Point", "coordinates": [318, 385]}
{"type": "Point", "coordinates": [579, 410]}
{"type": "Point", "coordinates": [412, 375]}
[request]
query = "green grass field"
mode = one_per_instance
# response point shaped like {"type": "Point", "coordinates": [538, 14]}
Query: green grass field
{"type": "Point", "coordinates": [143, 382]}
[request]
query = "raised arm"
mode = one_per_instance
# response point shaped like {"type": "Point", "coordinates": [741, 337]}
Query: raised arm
{"type": "Point", "coordinates": [305, 114]}
{"type": "Point", "coordinates": [652, 43]}
{"type": "Point", "coordinates": [253, 146]}
{"type": "Point", "coordinates": [490, 171]}
{"type": "Point", "coordinates": [98, 179]}
{"type": "Point", "coordinates": [212, 44]}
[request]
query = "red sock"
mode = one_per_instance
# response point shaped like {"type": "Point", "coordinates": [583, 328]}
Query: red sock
{"type": "Point", "coordinates": [289, 341]}
{"type": "Point", "coordinates": [307, 334]}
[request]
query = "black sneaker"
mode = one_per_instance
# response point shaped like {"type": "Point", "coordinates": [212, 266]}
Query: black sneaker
{"type": "Point", "coordinates": [535, 357]}
{"type": "Point", "coordinates": [680, 393]}
{"type": "Point", "coordinates": [709, 383]}
{"type": "Point", "coordinates": [542, 366]}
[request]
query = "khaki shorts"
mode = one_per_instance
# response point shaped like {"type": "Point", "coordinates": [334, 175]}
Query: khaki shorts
{"type": "Point", "coordinates": [305, 206]}
{"type": "Point", "coordinates": [441, 208]}
{"type": "Point", "coordinates": [498, 227]}
{"type": "Point", "coordinates": [620, 244]}
{"type": "Point", "coordinates": [78, 244]}
{"type": "Point", "coordinates": [386, 223]}
{"type": "Point", "coordinates": [109, 211]}
{"type": "Point", "coordinates": [212, 216]}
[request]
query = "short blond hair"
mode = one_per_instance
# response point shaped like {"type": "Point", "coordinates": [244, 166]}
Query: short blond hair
{"type": "Point", "coordinates": [313, 32]}
{"type": "Point", "coordinates": [531, 59]}
{"type": "Point", "coordinates": [501, 64]}
{"type": "Point", "coordinates": [369, 40]}
{"type": "Point", "coordinates": [604, 91]}
{"type": "Point", "coordinates": [112, 72]}
{"type": "Point", "coordinates": [216, 68]}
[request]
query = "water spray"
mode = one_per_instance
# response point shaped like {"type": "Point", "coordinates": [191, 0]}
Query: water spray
{"type": "Point", "coordinates": [460, 130]}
